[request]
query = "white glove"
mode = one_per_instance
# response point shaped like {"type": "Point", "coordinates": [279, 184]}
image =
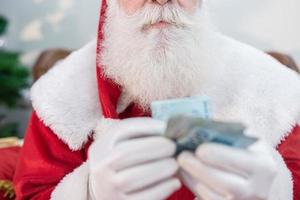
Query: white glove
{"type": "Point", "coordinates": [131, 160]}
{"type": "Point", "coordinates": [218, 172]}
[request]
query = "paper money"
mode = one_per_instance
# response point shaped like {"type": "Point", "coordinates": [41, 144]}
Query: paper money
{"type": "Point", "coordinates": [190, 132]}
{"type": "Point", "coordinates": [190, 106]}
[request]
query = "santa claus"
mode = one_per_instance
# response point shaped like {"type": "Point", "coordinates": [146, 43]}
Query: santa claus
{"type": "Point", "coordinates": [81, 144]}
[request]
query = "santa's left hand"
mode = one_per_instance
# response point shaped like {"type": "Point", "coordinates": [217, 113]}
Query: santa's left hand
{"type": "Point", "coordinates": [217, 172]}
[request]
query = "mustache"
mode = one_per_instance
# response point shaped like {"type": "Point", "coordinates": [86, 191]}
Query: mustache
{"type": "Point", "coordinates": [171, 14]}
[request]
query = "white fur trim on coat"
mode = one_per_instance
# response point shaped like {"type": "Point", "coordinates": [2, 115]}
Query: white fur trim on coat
{"type": "Point", "coordinates": [246, 86]}
{"type": "Point", "coordinates": [74, 185]}
{"type": "Point", "coordinates": [66, 98]}
{"type": "Point", "coordinates": [253, 88]}
{"type": "Point", "coordinates": [261, 93]}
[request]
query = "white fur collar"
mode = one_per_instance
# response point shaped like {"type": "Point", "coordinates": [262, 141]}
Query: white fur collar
{"type": "Point", "coordinates": [253, 88]}
{"type": "Point", "coordinates": [260, 92]}
{"type": "Point", "coordinates": [66, 98]}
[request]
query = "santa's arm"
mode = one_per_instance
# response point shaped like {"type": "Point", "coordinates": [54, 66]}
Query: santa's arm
{"type": "Point", "coordinates": [44, 163]}
{"type": "Point", "coordinates": [290, 152]}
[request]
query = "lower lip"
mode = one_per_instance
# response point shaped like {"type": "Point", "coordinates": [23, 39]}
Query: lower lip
{"type": "Point", "coordinates": [159, 25]}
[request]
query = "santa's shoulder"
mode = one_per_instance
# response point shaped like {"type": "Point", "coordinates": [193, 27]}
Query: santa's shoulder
{"type": "Point", "coordinates": [254, 69]}
{"type": "Point", "coordinates": [66, 97]}
{"type": "Point", "coordinates": [242, 55]}
{"type": "Point", "coordinates": [266, 94]}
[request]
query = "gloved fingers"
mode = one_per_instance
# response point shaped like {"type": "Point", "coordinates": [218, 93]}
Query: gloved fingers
{"type": "Point", "coordinates": [137, 127]}
{"type": "Point", "coordinates": [159, 191]}
{"type": "Point", "coordinates": [235, 160]}
{"type": "Point", "coordinates": [206, 193]}
{"type": "Point", "coordinates": [143, 176]}
{"type": "Point", "coordinates": [223, 182]}
{"type": "Point", "coordinates": [198, 188]}
{"type": "Point", "coordinates": [140, 150]}
{"type": "Point", "coordinates": [202, 191]}
{"type": "Point", "coordinates": [188, 180]}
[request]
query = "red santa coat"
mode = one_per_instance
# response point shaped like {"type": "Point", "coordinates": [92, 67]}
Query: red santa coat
{"type": "Point", "coordinates": [54, 162]}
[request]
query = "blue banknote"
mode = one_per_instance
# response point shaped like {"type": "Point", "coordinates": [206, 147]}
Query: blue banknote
{"type": "Point", "coordinates": [198, 106]}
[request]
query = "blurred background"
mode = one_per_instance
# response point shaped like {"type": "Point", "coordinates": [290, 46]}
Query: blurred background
{"type": "Point", "coordinates": [30, 27]}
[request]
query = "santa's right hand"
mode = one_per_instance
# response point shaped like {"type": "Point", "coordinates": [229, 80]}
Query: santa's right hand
{"type": "Point", "coordinates": [131, 160]}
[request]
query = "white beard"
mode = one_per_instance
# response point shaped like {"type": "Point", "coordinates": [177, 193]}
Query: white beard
{"type": "Point", "coordinates": [157, 64]}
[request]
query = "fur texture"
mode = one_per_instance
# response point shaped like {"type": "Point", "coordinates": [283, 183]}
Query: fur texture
{"type": "Point", "coordinates": [259, 92]}
{"type": "Point", "coordinates": [243, 83]}
{"type": "Point", "coordinates": [282, 188]}
{"type": "Point", "coordinates": [74, 185]}
{"type": "Point", "coordinates": [166, 59]}
{"type": "Point", "coordinates": [66, 98]}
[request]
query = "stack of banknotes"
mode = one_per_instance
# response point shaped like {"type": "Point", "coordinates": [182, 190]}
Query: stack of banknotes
{"type": "Point", "coordinates": [190, 132]}
{"type": "Point", "coordinates": [190, 124]}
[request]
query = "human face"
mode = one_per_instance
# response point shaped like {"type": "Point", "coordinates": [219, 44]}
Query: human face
{"type": "Point", "coordinates": [153, 56]}
{"type": "Point", "coordinates": [132, 6]}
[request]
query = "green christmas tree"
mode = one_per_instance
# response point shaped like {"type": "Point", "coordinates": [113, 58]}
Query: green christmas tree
{"type": "Point", "coordinates": [13, 78]}
{"type": "Point", "coordinates": [3, 24]}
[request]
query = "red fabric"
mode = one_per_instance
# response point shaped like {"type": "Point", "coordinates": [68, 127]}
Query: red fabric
{"type": "Point", "coordinates": [290, 151]}
{"type": "Point", "coordinates": [109, 92]}
{"type": "Point", "coordinates": [8, 159]}
{"type": "Point", "coordinates": [45, 159]}
{"type": "Point", "coordinates": [2, 195]}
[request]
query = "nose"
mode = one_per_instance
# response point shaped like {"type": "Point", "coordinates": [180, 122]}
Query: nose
{"type": "Point", "coordinates": [161, 2]}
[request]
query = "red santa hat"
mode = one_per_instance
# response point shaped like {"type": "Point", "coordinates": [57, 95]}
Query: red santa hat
{"type": "Point", "coordinates": [110, 92]}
